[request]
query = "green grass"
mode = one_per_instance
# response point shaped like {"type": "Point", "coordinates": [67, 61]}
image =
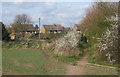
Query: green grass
{"type": "Point", "coordinates": [67, 58]}
{"type": "Point", "coordinates": [91, 70]}
{"type": "Point", "coordinates": [29, 62]}
{"type": "Point", "coordinates": [103, 63]}
{"type": "Point", "coordinates": [91, 58]}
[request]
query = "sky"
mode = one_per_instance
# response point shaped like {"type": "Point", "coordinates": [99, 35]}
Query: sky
{"type": "Point", "coordinates": [50, 12]}
{"type": "Point", "coordinates": [64, 13]}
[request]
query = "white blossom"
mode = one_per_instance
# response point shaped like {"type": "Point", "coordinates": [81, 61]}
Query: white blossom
{"type": "Point", "coordinates": [109, 40]}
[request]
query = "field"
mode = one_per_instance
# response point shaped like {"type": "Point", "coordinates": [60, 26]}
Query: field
{"type": "Point", "coordinates": [29, 62]}
{"type": "Point", "coordinates": [33, 61]}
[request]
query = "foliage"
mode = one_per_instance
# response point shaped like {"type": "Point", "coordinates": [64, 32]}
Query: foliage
{"type": "Point", "coordinates": [82, 45]}
{"type": "Point", "coordinates": [94, 25]}
{"type": "Point", "coordinates": [22, 19]}
{"type": "Point", "coordinates": [22, 23]}
{"type": "Point", "coordinates": [108, 46]}
{"type": "Point", "coordinates": [22, 44]}
{"type": "Point", "coordinates": [68, 44]}
{"type": "Point", "coordinates": [5, 34]}
{"type": "Point", "coordinates": [68, 58]}
{"type": "Point", "coordinates": [52, 36]}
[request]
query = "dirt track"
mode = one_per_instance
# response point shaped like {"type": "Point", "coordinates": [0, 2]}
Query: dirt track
{"type": "Point", "coordinates": [79, 68]}
{"type": "Point", "coordinates": [82, 67]}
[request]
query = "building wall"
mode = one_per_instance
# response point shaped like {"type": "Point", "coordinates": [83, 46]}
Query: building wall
{"type": "Point", "coordinates": [75, 28]}
{"type": "Point", "coordinates": [43, 29]}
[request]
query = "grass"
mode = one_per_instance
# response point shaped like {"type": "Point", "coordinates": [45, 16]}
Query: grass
{"type": "Point", "coordinates": [29, 62]}
{"type": "Point", "coordinates": [91, 58]}
{"type": "Point", "coordinates": [103, 63]}
{"type": "Point", "coordinates": [67, 58]}
{"type": "Point", "coordinates": [91, 70]}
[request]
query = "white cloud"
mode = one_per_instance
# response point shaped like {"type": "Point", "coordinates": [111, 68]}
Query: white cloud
{"type": "Point", "coordinates": [50, 13]}
{"type": "Point", "coordinates": [49, 5]}
{"type": "Point", "coordinates": [62, 15]}
{"type": "Point", "coordinates": [6, 12]}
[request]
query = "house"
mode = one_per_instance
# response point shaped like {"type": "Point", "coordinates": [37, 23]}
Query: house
{"type": "Point", "coordinates": [76, 27]}
{"type": "Point", "coordinates": [18, 31]}
{"type": "Point", "coordinates": [23, 28]}
{"type": "Point", "coordinates": [67, 29]}
{"type": "Point", "coordinates": [56, 28]}
{"type": "Point", "coordinates": [12, 36]}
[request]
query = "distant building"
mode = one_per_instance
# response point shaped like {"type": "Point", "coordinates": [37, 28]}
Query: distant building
{"type": "Point", "coordinates": [12, 36]}
{"type": "Point", "coordinates": [67, 29]}
{"type": "Point", "coordinates": [23, 27]}
{"type": "Point", "coordinates": [76, 27]}
{"type": "Point", "coordinates": [56, 28]}
{"type": "Point", "coordinates": [19, 31]}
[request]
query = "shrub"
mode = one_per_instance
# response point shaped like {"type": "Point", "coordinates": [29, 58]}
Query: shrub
{"type": "Point", "coordinates": [68, 44]}
{"type": "Point", "coordinates": [5, 34]}
{"type": "Point", "coordinates": [108, 46]}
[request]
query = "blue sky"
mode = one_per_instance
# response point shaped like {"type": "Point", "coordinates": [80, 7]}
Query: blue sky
{"type": "Point", "coordinates": [65, 13]}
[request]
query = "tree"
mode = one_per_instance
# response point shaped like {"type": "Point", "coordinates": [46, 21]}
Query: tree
{"type": "Point", "coordinates": [21, 23]}
{"type": "Point", "coordinates": [99, 31]}
{"type": "Point", "coordinates": [68, 44]}
{"type": "Point", "coordinates": [108, 43]}
{"type": "Point", "coordinates": [97, 14]}
{"type": "Point", "coordinates": [22, 19]}
{"type": "Point", "coordinates": [5, 34]}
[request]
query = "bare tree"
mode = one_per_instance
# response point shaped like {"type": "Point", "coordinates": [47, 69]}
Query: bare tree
{"type": "Point", "coordinates": [22, 23]}
{"type": "Point", "coordinates": [22, 19]}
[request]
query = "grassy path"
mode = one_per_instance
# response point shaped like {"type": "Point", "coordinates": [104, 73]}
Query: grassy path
{"type": "Point", "coordinates": [82, 67]}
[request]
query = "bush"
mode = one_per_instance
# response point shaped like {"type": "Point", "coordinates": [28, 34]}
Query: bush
{"type": "Point", "coordinates": [108, 46]}
{"type": "Point", "coordinates": [68, 58]}
{"type": "Point", "coordinates": [5, 34]}
{"type": "Point", "coordinates": [22, 44]}
{"type": "Point", "coordinates": [68, 44]}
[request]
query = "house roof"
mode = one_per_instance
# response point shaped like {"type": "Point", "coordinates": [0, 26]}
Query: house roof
{"type": "Point", "coordinates": [53, 27]}
{"type": "Point", "coordinates": [24, 27]}
{"type": "Point", "coordinates": [67, 28]}
{"type": "Point", "coordinates": [30, 27]}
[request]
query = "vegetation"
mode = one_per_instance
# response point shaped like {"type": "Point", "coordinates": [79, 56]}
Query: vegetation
{"type": "Point", "coordinates": [98, 71]}
{"type": "Point", "coordinates": [52, 36]}
{"type": "Point", "coordinates": [22, 19]}
{"type": "Point", "coordinates": [5, 34]}
{"type": "Point", "coordinates": [16, 44]}
{"type": "Point", "coordinates": [68, 44]}
{"type": "Point", "coordinates": [32, 56]}
{"type": "Point", "coordinates": [68, 58]}
{"type": "Point", "coordinates": [108, 46]}
{"type": "Point", "coordinates": [95, 24]}
{"type": "Point", "coordinates": [29, 62]}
